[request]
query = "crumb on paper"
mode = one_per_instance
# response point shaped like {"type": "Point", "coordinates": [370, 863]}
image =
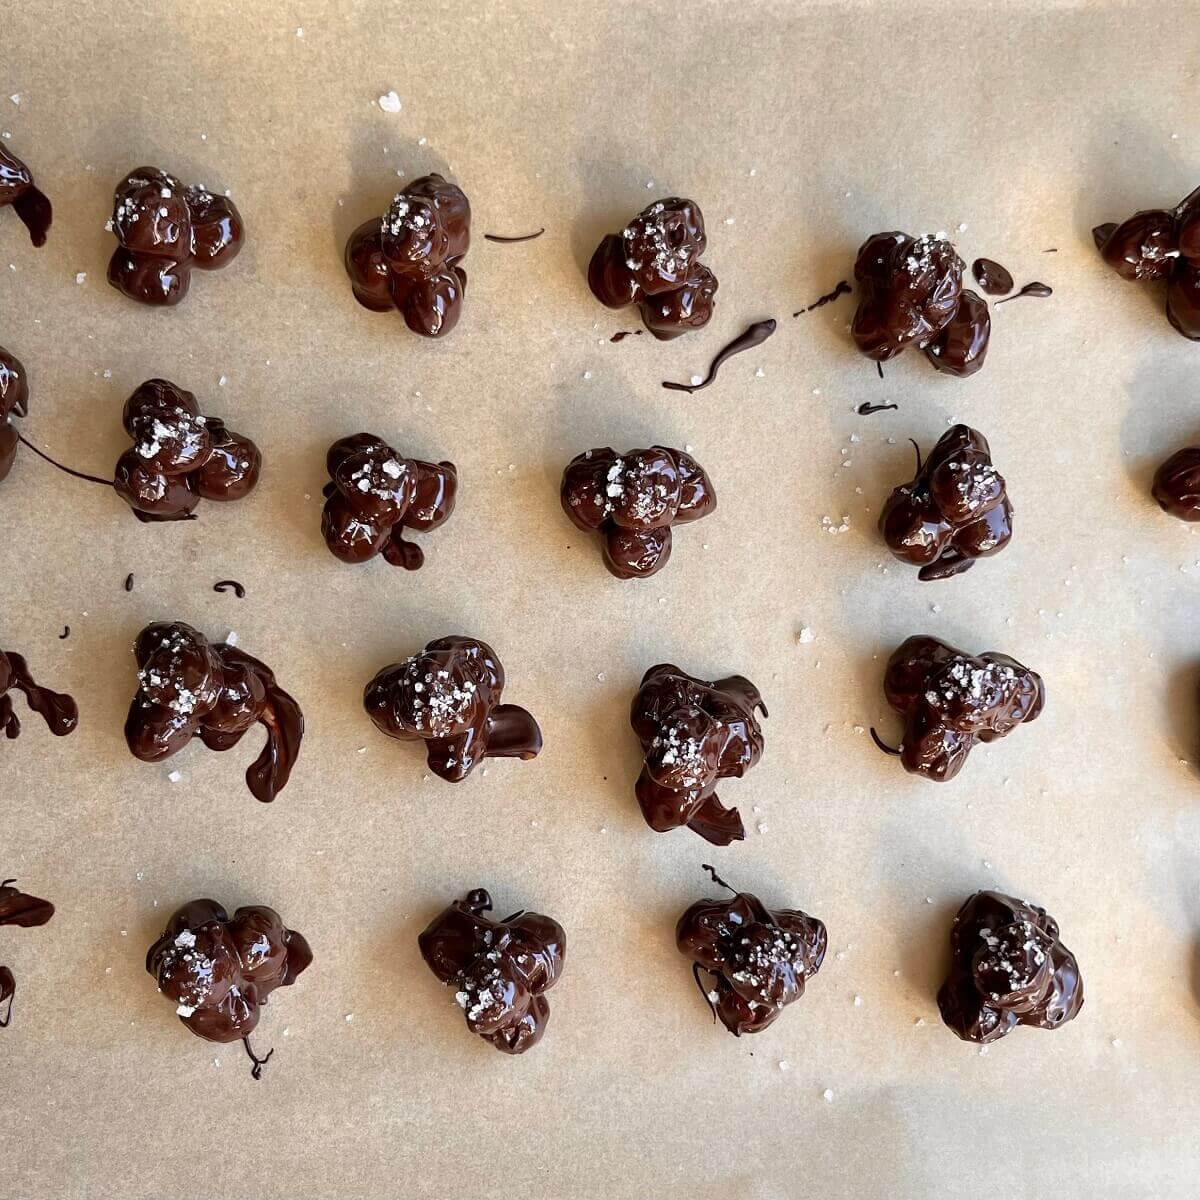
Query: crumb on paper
{"type": "Point", "coordinates": [827, 1095]}
{"type": "Point", "coordinates": [81, 277]}
{"type": "Point", "coordinates": [806, 636]}
{"type": "Point", "coordinates": [784, 1065]}
{"type": "Point", "coordinates": [174, 776]}
{"type": "Point", "coordinates": [389, 102]}
{"type": "Point", "coordinates": [349, 1018]}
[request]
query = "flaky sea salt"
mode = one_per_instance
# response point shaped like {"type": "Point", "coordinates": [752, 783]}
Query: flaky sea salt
{"type": "Point", "coordinates": [389, 102]}
{"type": "Point", "coordinates": [806, 636]}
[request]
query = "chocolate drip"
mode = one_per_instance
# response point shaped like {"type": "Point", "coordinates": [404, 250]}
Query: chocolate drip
{"type": "Point", "coordinates": [57, 709]}
{"type": "Point", "coordinates": [230, 585]}
{"type": "Point", "coordinates": [256, 1070]}
{"type": "Point", "coordinates": [866, 409]}
{"type": "Point", "coordinates": [69, 470]}
{"type": "Point", "coordinates": [129, 582]}
{"type": "Point", "coordinates": [843, 288]}
{"type": "Point", "coordinates": [8, 990]}
{"type": "Point", "coordinates": [524, 237]}
{"type": "Point", "coordinates": [18, 908]}
{"type": "Point", "coordinates": [755, 335]}
{"type": "Point", "coordinates": [66, 633]}
{"type": "Point", "coordinates": [1036, 289]}
{"type": "Point", "coordinates": [622, 334]}
{"type": "Point", "coordinates": [993, 278]}
{"type": "Point", "coordinates": [28, 202]}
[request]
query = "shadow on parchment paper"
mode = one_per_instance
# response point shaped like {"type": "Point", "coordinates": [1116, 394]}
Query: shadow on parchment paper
{"type": "Point", "coordinates": [1181, 713]}
{"type": "Point", "coordinates": [1160, 417]}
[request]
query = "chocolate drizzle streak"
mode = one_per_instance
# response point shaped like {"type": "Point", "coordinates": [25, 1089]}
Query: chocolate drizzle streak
{"type": "Point", "coordinates": [129, 582]}
{"type": "Point", "coordinates": [230, 585]}
{"type": "Point", "coordinates": [66, 633]}
{"type": "Point", "coordinates": [1036, 289]}
{"type": "Point", "coordinates": [622, 334]}
{"type": "Point", "coordinates": [843, 289]}
{"type": "Point", "coordinates": [524, 237]}
{"type": "Point", "coordinates": [69, 470]}
{"type": "Point", "coordinates": [866, 409]}
{"type": "Point", "coordinates": [993, 278]}
{"type": "Point", "coordinates": [755, 335]}
{"type": "Point", "coordinates": [8, 989]}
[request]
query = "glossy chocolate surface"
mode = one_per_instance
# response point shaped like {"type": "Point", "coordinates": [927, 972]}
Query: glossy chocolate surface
{"type": "Point", "coordinates": [375, 494]}
{"type": "Point", "coordinates": [179, 456]}
{"type": "Point", "coordinates": [758, 959]}
{"type": "Point", "coordinates": [220, 972]}
{"type": "Point", "coordinates": [164, 230]}
{"type": "Point", "coordinates": [1008, 968]}
{"type": "Point", "coordinates": [911, 294]}
{"type": "Point", "coordinates": [1177, 484]}
{"type": "Point", "coordinates": [28, 202]}
{"type": "Point", "coordinates": [216, 692]}
{"type": "Point", "coordinates": [654, 262]}
{"type": "Point", "coordinates": [409, 259]}
{"type": "Point", "coordinates": [953, 512]}
{"type": "Point", "coordinates": [448, 697]}
{"type": "Point", "coordinates": [14, 402]}
{"type": "Point", "coordinates": [1160, 244]}
{"type": "Point", "coordinates": [992, 277]}
{"type": "Point", "coordinates": [693, 735]}
{"type": "Point", "coordinates": [754, 336]}
{"type": "Point", "coordinates": [632, 500]}
{"type": "Point", "coordinates": [17, 908]}
{"type": "Point", "coordinates": [500, 970]}
{"type": "Point", "coordinates": [57, 709]}
{"type": "Point", "coordinates": [951, 701]}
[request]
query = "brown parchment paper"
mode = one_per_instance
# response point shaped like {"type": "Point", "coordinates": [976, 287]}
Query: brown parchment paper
{"type": "Point", "coordinates": [800, 128]}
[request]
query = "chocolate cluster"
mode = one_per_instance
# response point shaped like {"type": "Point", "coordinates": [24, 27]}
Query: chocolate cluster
{"type": "Point", "coordinates": [219, 972]}
{"type": "Point", "coordinates": [216, 692]}
{"type": "Point", "coordinates": [179, 456]}
{"type": "Point", "coordinates": [911, 294]}
{"type": "Point", "coordinates": [1177, 484]}
{"type": "Point", "coordinates": [21, 909]}
{"type": "Point", "coordinates": [954, 511]}
{"type": "Point", "coordinates": [57, 709]}
{"type": "Point", "coordinates": [410, 259]}
{"type": "Point", "coordinates": [500, 970]}
{"type": "Point", "coordinates": [951, 701]}
{"type": "Point", "coordinates": [654, 262]}
{"type": "Point", "coordinates": [694, 734]}
{"type": "Point", "coordinates": [14, 402]}
{"type": "Point", "coordinates": [374, 494]}
{"type": "Point", "coordinates": [448, 697]}
{"type": "Point", "coordinates": [1008, 968]}
{"type": "Point", "coordinates": [758, 960]}
{"type": "Point", "coordinates": [164, 230]}
{"type": "Point", "coordinates": [1160, 243]}
{"type": "Point", "coordinates": [632, 500]}
{"type": "Point", "coordinates": [18, 190]}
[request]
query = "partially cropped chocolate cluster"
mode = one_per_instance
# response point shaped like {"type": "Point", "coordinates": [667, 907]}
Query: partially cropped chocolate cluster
{"type": "Point", "coordinates": [654, 262]}
{"type": "Point", "coordinates": [500, 970]}
{"type": "Point", "coordinates": [951, 701]}
{"type": "Point", "coordinates": [448, 696]}
{"type": "Point", "coordinates": [216, 692]}
{"type": "Point", "coordinates": [954, 511]}
{"type": "Point", "coordinates": [179, 456]}
{"type": "Point", "coordinates": [1163, 244]}
{"type": "Point", "coordinates": [632, 500]}
{"type": "Point", "coordinates": [57, 709]}
{"type": "Point", "coordinates": [164, 230]}
{"type": "Point", "coordinates": [693, 735]}
{"type": "Point", "coordinates": [28, 912]}
{"type": "Point", "coordinates": [219, 972]}
{"type": "Point", "coordinates": [374, 494]}
{"type": "Point", "coordinates": [911, 294]}
{"type": "Point", "coordinates": [1008, 968]}
{"type": "Point", "coordinates": [14, 402]}
{"type": "Point", "coordinates": [410, 259]}
{"type": "Point", "coordinates": [1177, 484]}
{"type": "Point", "coordinates": [758, 959]}
{"type": "Point", "coordinates": [28, 202]}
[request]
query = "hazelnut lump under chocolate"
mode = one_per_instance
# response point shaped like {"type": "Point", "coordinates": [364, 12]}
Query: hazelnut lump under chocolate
{"type": "Point", "coordinates": [500, 970]}
{"type": "Point", "coordinates": [633, 500]}
{"type": "Point", "coordinates": [1176, 485]}
{"type": "Point", "coordinates": [954, 511]}
{"type": "Point", "coordinates": [911, 294]}
{"type": "Point", "coordinates": [1008, 968]}
{"type": "Point", "coordinates": [14, 402]}
{"type": "Point", "coordinates": [694, 734]}
{"type": "Point", "coordinates": [164, 230]}
{"type": "Point", "coordinates": [654, 262]}
{"type": "Point", "coordinates": [18, 190]}
{"type": "Point", "coordinates": [410, 259]}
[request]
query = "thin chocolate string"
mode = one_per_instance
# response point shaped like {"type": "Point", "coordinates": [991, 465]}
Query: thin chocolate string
{"type": "Point", "coordinates": [69, 470]}
{"type": "Point", "coordinates": [257, 1070]}
{"type": "Point", "coordinates": [696, 969]}
{"type": "Point", "coordinates": [892, 750]}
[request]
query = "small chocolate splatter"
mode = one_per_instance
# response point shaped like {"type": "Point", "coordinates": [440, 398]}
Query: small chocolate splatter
{"type": "Point", "coordinates": [755, 335]}
{"type": "Point", "coordinates": [66, 633]}
{"type": "Point", "coordinates": [866, 409]}
{"type": "Point", "coordinates": [523, 237]}
{"type": "Point", "coordinates": [622, 334]}
{"type": "Point", "coordinates": [879, 368]}
{"type": "Point", "coordinates": [129, 582]}
{"type": "Point", "coordinates": [230, 585]}
{"type": "Point", "coordinates": [1036, 288]}
{"type": "Point", "coordinates": [994, 279]}
{"type": "Point", "coordinates": [843, 289]}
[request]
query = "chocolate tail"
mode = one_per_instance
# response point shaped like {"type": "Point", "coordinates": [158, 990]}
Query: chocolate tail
{"type": "Point", "coordinates": [267, 776]}
{"type": "Point", "coordinates": [9, 721]}
{"type": "Point", "coordinates": [513, 733]}
{"type": "Point", "coordinates": [717, 824]}
{"type": "Point", "coordinates": [8, 992]}
{"type": "Point", "coordinates": [57, 709]}
{"type": "Point", "coordinates": [35, 210]}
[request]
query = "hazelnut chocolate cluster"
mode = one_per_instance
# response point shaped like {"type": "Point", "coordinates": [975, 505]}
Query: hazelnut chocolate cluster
{"type": "Point", "coordinates": [693, 734]}
{"type": "Point", "coordinates": [654, 262]}
{"type": "Point", "coordinates": [28, 202]}
{"type": "Point", "coordinates": [219, 972]}
{"type": "Point", "coordinates": [1159, 243]}
{"type": "Point", "coordinates": [216, 692]}
{"type": "Point", "coordinates": [1177, 484]}
{"type": "Point", "coordinates": [500, 970]}
{"type": "Point", "coordinates": [1008, 968]}
{"type": "Point", "coordinates": [633, 499]}
{"type": "Point", "coordinates": [179, 456]}
{"type": "Point", "coordinates": [758, 959]}
{"type": "Point", "coordinates": [448, 696]}
{"type": "Point", "coordinates": [57, 709]}
{"type": "Point", "coordinates": [410, 259]}
{"type": "Point", "coordinates": [14, 402]}
{"type": "Point", "coordinates": [951, 701]}
{"type": "Point", "coordinates": [911, 294]}
{"type": "Point", "coordinates": [27, 912]}
{"type": "Point", "coordinates": [374, 494]}
{"type": "Point", "coordinates": [164, 230]}
{"type": "Point", "coordinates": [954, 511]}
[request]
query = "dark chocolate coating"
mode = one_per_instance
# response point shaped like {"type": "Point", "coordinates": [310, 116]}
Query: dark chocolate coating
{"type": "Point", "coordinates": [693, 734]}
{"type": "Point", "coordinates": [179, 456]}
{"type": "Point", "coordinates": [759, 959]}
{"type": "Point", "coordinates": [951, 701]}
{"type": "Point", "coordinates": [961, 347]}
{"type": "Point", "coordinates": [500, 970]}
{"type": "Point", "coordinates": [448, 696]}
{"type": "Point", "coordinates": [27, 912]}
{"type": "Point", "coordinates": [408, 260]}
{"type": "Point", "coordinates": [14, 402]}
{"type": "Point", "coordinates": [164, 230]}
{"type": "Point", "coordinates": [1008, 968]}
{"type": "Point", "coordinates": [28, 202]}
{"type": "Point", "coordinates": [954, 511]}
{"type": "Point", "coordinates": [654, 262]}
{"type": "Point", "coordinates": [374, 494]}
{"type": "Point", "coordinates": [1161, 244]}
{"type": "Point", "coordinates": [1177, 484]}
{"type": "Point", "coordinates": [191, 688]}
{"type": "Point", "coordinates": [633, 500]}
{"type": "Point", "coordinates": [57, 709]}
